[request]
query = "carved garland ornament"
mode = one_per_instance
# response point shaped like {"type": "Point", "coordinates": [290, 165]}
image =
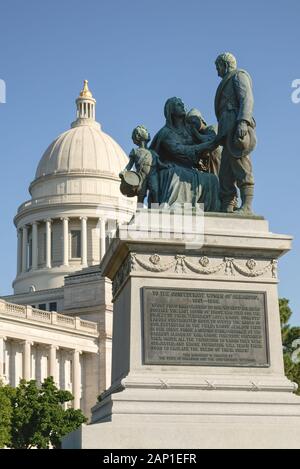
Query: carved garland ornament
{"type": "Point", "coordinates": [181, 264]}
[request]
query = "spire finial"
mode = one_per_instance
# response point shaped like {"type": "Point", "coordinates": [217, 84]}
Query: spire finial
{"type": "Point", "coordinates": [86, 108]}
{"type": "Point", "coordinates": [85, 92]}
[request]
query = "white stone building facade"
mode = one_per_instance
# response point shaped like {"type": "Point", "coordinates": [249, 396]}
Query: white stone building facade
{"type": "Point", "coordinates": [62, 234]}
{"type": "Point", "coordinates": [35, 344]}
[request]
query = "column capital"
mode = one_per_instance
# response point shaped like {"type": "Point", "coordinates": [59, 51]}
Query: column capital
{"type": "Point", "coordinates": [26, 342]}
{"type": "Point", "coordinates": [83, 218]}
{"type": "Point", "coordinates": [3, 337]}
{"type": "Point", "coordinates": [52, 346]}
{"type": "Point", "coordinates": [49, 220]}
{"type": "Point", "coordinates": [64, 218]}
{"type": "Point", "coordinates": [24, 227]}
{"type": "Point", "coordinates": [76, 350]}
{"type": "Point", "coordinates": [35, 222]}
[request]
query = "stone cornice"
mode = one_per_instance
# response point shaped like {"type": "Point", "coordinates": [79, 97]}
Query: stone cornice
{"type": "Point", "coordinates": [75, 173]}
{"type": "Point", "coordinates": [93, 276]}
{"type": "Point", "coordinates": [100, 308]}
{"type": "Point", "coordinates": [51, 291]}
{"type": "Point", "coordinates": [61, 204]}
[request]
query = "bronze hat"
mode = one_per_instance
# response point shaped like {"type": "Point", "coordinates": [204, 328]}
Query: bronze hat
{"type": "Point", "coordinates": [239, 147]}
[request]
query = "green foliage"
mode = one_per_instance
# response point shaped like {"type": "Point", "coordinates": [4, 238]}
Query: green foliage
{"type": "Point", "coordinates": [285, 310]}
{"type": "Point", "coordinates": [292, 370]}
{"type": "Point", "coordinates": [6, 393]}
{"type": "Point", "coordinates": [36, 416]}
{"type": "Point", "coordinates": [289, 334]}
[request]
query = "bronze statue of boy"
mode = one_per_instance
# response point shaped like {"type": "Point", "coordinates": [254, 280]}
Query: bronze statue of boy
{"type": "Point", "coordinates": [147, 165]}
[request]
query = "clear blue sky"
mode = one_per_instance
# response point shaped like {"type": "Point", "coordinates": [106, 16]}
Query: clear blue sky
{"type": "Point", "coordinates": [136, 54]}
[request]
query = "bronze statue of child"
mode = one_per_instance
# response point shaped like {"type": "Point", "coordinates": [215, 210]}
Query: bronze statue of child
{"type": "Point", "coordinates": [210, 159]}
{"type": "Point", "coordinates": [147, 164]}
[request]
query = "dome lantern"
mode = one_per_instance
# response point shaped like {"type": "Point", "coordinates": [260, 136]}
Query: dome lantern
{"type": "Point", "coordinates": [86, 107]}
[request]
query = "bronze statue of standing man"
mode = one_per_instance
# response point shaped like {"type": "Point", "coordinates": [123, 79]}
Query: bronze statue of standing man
{"type": "Point", "coordinates": [234, 111]}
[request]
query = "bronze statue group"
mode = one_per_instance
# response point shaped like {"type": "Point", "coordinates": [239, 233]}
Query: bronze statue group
{"type": "Point", "coordinates": [191, 162]}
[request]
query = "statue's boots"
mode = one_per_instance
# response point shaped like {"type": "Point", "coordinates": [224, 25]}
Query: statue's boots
{"type": "Point", "coordinates": [229, 206]}
{"type": "Point", "coordinates": [247, 198]}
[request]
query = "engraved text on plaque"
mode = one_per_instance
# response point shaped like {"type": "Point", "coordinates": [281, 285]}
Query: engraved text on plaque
{"type": "Point", "coordinates": [204, 327]}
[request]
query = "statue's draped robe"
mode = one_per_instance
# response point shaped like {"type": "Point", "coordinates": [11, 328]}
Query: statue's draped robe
{"type": "Point", "coordinates": [182, 183]}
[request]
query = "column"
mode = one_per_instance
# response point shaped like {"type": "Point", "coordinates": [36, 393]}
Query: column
{"type": "Point", "coordinates": [76, 385]}
{"type": "Point", "coordinates": [27, 360]}
{"type": "Point", "coordinates": [52, 363]}
{"type": "Point", "coordinates": [34, 245]}
{"type": "Point", "coordinates": [102, 237]}
{"type": "Point", "coordinates": [2, 359]}
{"type": "Point", "coordinates": [24, 248]}
{"type": "Point", "coordinates": [19, 255]}
{"type": "Point", "coordinates": [83, 241]}
{"type": "Point", "coordinates": [48, 243]}
{"type": "Point", "coordinates": [65, 241]}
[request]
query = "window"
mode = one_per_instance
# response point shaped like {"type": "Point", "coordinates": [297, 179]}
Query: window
{"type": "Point", "coordinates": [75, 243]}
{"type": "Point", "coordinates": [53, 306]}
{"type": "Point", "coordinates": [42, 306]}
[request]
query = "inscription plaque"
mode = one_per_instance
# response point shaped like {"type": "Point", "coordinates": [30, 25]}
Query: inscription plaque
{"type": "Point", "coordinates": [204, 327]}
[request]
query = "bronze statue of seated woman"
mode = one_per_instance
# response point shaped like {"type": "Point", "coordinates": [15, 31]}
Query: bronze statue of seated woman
{"type": "Point", "coordinates": [182, 182]}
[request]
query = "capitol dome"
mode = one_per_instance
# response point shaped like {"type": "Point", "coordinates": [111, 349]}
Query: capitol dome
{"type": "Point", "coordinates": [84, 148]}
{"type": "Point", "coordinates": [82, 160]}
{"type": "Point", "coordinates": [75, 203]}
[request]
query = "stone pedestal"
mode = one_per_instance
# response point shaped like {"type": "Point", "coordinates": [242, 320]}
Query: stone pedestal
{"type": "Point", "coordinates": [197, 355]}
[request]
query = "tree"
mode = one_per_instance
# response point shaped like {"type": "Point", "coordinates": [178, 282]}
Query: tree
{"type": "Point", "coordinates": [38, 419]}
{"type": "Point", "coordinates": [289, 334]}
{"type": "Point", "coordinates": [6, 393]}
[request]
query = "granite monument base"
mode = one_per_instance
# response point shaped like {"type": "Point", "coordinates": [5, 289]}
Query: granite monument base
{"type": "Point", "coordinates": [197, 354]}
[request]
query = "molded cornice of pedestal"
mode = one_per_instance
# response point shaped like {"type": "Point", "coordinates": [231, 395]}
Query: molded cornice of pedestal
{"type": "Point", "coordinates": [234, 248]}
